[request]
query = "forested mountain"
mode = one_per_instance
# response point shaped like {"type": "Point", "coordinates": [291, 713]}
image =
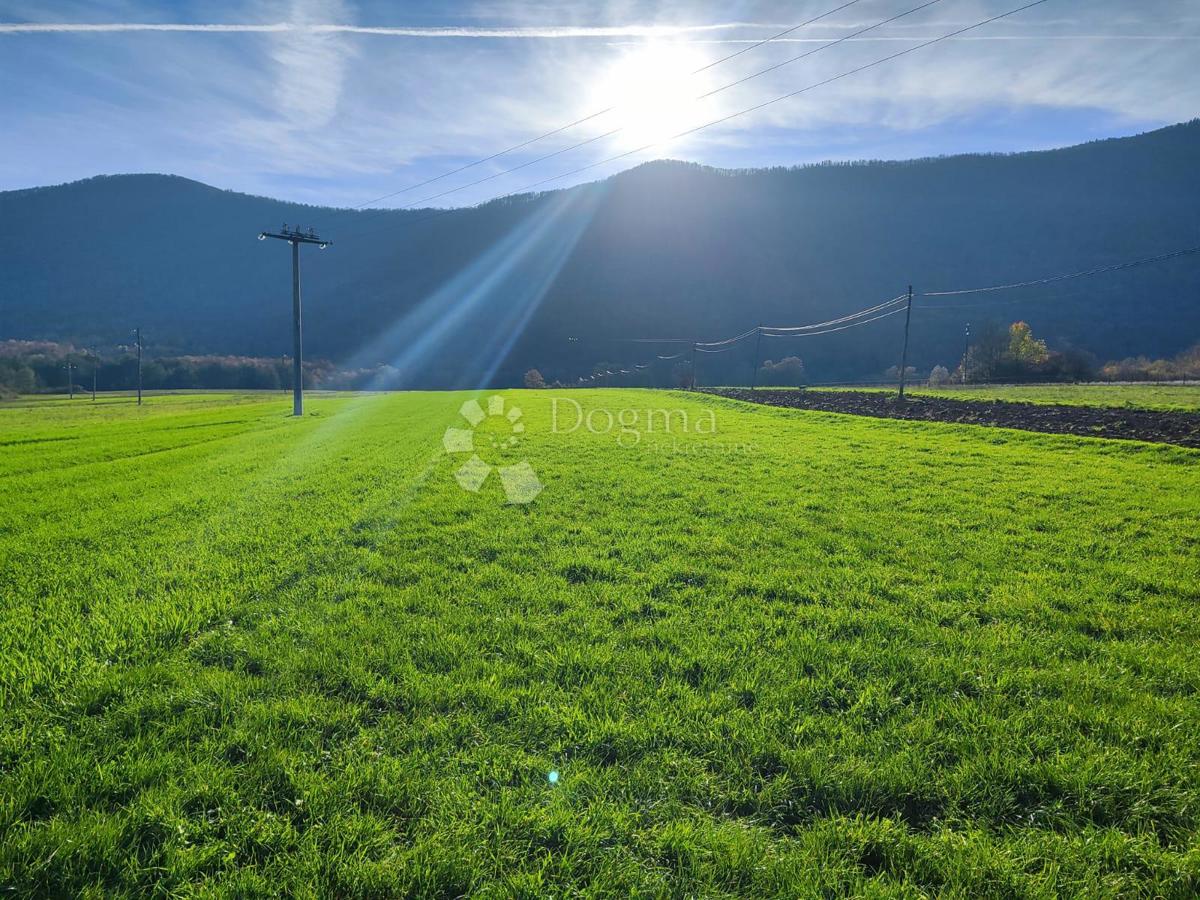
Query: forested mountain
{"type": "Point", "coordinates": [668, 249]}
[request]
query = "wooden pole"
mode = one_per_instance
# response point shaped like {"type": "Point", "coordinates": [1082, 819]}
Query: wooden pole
{"type": "Point", "coordinates": [904, 353]}
{"type": "Point", "coordinates": [296, 237]}
{"type": "Point", "coordinates": [297, 343]}
{"type": "Point", "coordinates": [137, 333]}
{"type": "Point", "coordinates": [757, 356]}
{"type": "Point", "coordinates": [966, 350]}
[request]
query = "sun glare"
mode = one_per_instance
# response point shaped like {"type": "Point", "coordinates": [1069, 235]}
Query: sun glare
{"type": "Point", "coordinates": [654, 93]}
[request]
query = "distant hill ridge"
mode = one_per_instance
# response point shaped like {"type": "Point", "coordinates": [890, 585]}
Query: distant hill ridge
{"type": "Point", "coordinates": [668, 248]}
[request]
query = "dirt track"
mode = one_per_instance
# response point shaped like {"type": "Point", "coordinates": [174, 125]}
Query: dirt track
{"type": "Point", "coordinates": [1161, 427]}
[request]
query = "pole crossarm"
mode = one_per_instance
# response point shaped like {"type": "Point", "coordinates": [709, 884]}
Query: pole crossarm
{"type": "Point", "coordinates": [295, 236]}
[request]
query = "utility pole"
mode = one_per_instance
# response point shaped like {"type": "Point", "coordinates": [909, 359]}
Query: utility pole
{"type": "Point", "coordinates": [70, 380]}
{"type": "Point", "coordinates": [692, 364]}
{"type": "Point", "coordinates": [966, 350]}
{"type": "Point", "coordinates": [757, 355]}
{"type": "Point", "coordinates": [95, 365]}
{"type": "Point", "coordinates": [137, 335]}
{"type": "Point", "coordinates": [296, 237]}
{"type": "Point", "coordinates": [904, 353]}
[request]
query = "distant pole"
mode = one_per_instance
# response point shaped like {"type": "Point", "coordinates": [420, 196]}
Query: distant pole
{"type": "Point", "coordinates": [575, 340]}
{"type": "Point", "coordinates": [966, 350]}
{"type": "Point", "coordinates": [757, 356]}
{"type": "Point", "coordinates": [137, 334]}
{"type": "Point", "coordinates": [296, 237]}
{"type": "Point", "coordinates": [297, 342]}
{"type": "Point", "coordinates": [95, 366]}
{"type": "Point", "coordinates": [904, 353]}
{"type": "Point", "coordinates": [70, 382]}
{"type": "Point", "coordinates": [693, 366]}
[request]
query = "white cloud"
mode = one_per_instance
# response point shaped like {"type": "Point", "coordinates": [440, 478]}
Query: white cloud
{"type": "Point", "coordinates": [309, 65]}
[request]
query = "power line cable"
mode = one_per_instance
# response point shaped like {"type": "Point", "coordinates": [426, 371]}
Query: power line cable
{"type": "Point", "coordinates": [595, 115]}
{"type": "Point", "coordinates": [732, 340]}
{"type": "Point", "coordinates": [854, 315]}
{"type": "Point", "coordinates": [853, 320]}
{"type": "Point", "coordinates": [881, 311]}
{"type": "Point", "coordinates": [795, 331]}
{"type": "Point", "coordinates": [599, 137]}
{"type": "Point", "coordinates": [728, 344]}
{"type": "Point", "coordinates": [731, 116]}
{"type": "Point", "coordinates": [788, 96]}
{"type": "Point", "coordinates": [1053, 278]}
{"type": "Point", "coordinates": [1008, 301]}
{"type": "Point", "coordinates": [841, 40]}
{"type": "Point", "coordinates": [892, 312]}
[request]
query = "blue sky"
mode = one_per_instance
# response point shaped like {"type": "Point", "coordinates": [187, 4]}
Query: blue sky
{"type": "Point", "coordinates": [337, 102]}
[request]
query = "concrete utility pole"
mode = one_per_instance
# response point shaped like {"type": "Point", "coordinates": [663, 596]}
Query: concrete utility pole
{"type": "Point", "coordinates": [137, 336]}
{"type": "Point", "coordinates": [70, 380]}
{"type": "Point", "coordinates": [296, 237]}
{"type": "Point", "coordinates": [966, 350]}
{"type": "Point", "coordinates": [904, 353]}
{"type": "Point", "coordinates": [757, 356]}
{"type": "Point", "coordinates": [95, 365]}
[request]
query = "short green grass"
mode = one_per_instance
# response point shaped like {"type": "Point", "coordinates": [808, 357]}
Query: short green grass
{"type": "Point", "coordinates": [1185, 397]}
{"type": "Point", "coordinates": [809, 654]}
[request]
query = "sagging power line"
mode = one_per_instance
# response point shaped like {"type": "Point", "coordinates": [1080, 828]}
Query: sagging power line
{"type": "Point", "coordinates": [841, 323]}
{"type": "Point", "coordinates": [902, 303]}
{"type": "Point", "coordinates": [1050, 279]}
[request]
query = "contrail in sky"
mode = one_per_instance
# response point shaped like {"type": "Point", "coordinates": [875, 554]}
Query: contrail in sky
{"type": "Point", "coordinates": [565, 31]}
{"type": "Point", "coordinates": [401, 31]}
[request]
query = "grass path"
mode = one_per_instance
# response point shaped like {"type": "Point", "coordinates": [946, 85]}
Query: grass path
{"type": "Point", "coordinates": [248, 655]}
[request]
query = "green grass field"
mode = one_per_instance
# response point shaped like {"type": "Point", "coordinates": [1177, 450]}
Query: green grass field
{"type": "Point", "coordinates": [1185, 397]}
{"type": "Point", "coordinates": [807, 654]}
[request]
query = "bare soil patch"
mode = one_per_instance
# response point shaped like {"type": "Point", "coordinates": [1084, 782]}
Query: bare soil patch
{"type": "Point", "coordinates": [1158, 426]}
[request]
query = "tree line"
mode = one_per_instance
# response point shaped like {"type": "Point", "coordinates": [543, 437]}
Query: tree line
{"type": "Point", "coordinates": [999, 353]}
{"type": "Point", "coordinates": [31, 367]}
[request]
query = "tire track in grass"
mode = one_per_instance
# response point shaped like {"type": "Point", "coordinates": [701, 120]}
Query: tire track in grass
{"type": "Point", "coordinates": [28, 632]}
{"type": "Point", "coordinates": [135, 443]}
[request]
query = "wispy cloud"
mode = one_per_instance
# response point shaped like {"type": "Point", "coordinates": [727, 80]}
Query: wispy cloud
{"type": "Point", "coordinates": [310, 64]}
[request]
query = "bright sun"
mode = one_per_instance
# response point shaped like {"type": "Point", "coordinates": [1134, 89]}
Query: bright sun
{"type": "Point", "coordinates": [654, 93]}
